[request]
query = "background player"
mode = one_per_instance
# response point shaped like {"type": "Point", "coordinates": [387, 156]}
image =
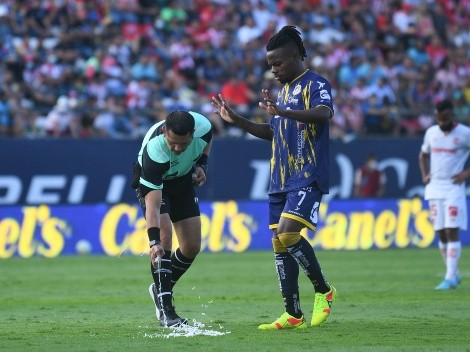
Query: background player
{"type": "Point", "coordinates": [299, 170]}
{"type": "Point", "coordinates": [172, 160]}
{"type": "Point", "coordinates": [442, 159]}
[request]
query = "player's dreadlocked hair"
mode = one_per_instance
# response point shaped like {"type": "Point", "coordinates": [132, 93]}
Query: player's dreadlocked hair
{"type": "Point", "coordinates": [287, 35]}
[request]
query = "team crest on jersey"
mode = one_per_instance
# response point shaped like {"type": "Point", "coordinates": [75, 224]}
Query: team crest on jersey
{"type": "Point", "coordinates": [297, 89]}
{"type": "Point", "coordinates": [453, 211]}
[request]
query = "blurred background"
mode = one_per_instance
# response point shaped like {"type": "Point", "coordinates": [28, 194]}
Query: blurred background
{"type": "Point", "coordinates": [82, 81]}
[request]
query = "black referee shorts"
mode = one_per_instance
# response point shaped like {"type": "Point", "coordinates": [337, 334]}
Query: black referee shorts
{"type": "Point", "coordinates": [179, 198]}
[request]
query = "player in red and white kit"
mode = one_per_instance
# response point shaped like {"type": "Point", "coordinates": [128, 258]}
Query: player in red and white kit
{"type": "Point", "coordinates": [442, 159]}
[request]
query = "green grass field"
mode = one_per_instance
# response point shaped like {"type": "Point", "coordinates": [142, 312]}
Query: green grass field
{"type": "Point", "coordinates": [386, 302]}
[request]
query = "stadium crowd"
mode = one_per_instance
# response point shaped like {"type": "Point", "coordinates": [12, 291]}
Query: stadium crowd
{"type": "Point", "coordinates": [111, 68]}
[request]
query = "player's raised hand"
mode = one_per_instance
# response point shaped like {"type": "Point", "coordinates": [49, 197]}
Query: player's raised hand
{"type": "Point", "coordinates": [269, 104]}
{"type": "Point", "coordinates": [222, 108]}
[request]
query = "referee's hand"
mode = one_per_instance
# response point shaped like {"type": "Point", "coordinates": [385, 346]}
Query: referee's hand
{"type": "Point", "coordinates": [199, 176]}
{"type": "Point", "coordinates": [156, 254]}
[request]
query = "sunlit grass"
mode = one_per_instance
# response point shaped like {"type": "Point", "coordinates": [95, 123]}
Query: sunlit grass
{"type": "Point", "coordinates": [386, 302]}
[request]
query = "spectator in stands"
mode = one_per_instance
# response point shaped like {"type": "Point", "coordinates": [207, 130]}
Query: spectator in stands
{"type": "Point", "coordinates": [6, 120]}
{"type": "Point", "coordinates": [237, 92]}
{"type": "Point", "coordinates": [369, 180]}
{"type": "Point", "coordinates": [248, 31]}
{"type": "Point", "coordinates": [61, 120]}
{"type": "Point", "coordinates": [145, 68]}
{"type": "Point", "coordinates": [47, 47]}
{"type": "Point", "coordinates": [374, 113]}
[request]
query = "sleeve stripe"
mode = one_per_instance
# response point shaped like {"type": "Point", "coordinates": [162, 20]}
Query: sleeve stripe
{"type": "Point", "coordinates": [150, 185]}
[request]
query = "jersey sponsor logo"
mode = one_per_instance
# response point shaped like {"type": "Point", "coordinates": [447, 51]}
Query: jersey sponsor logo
{"type": "Point", "coordinates": [293, 101]}
{"type": "Point", "coordinates": [444, 150]}
{"type": "Point", "coordinates": [453, 211]}
{"type": "Point", "coordinates": [325, 95]}
{"type": "Point", "coordinates": [320, 84]}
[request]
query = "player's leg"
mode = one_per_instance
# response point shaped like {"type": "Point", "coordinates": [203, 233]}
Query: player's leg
{"type": "Point", "coordinates": [158, 289]}
{"type": "Point", "coordinates": [185, 215]}
{"type": "Point", "coordinates": [162, 276]}
{"type": "Point", "coordinates": [454, 249]}
{"type": "Point", "coordinates": [188, 232]}
{"type": "Point", "coordinates": [301, 210]}
{"type": "Point", "coordinates": [446, 220]}
{"type": "Point", "coordinates": [181, 209]}
{"type": "Point", "coordinates": [287, 271]}
{"type": "Point", "coordinates": [455, 219]}
{"type": "Point", "coordinates": [442, 244]}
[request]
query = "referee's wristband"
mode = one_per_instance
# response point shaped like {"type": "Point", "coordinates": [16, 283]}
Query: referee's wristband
{"type": "Point", "coordinates": [154, 236]}
{"type": "Point", "coordinates": [202, 162]}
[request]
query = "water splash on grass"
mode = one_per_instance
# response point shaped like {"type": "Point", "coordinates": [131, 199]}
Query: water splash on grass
{"type": "Point", "coordinates": [196, 329]}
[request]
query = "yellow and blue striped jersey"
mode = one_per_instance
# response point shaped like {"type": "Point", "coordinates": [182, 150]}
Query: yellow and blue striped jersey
{"type": "Point", "coordinates": [300, 151]}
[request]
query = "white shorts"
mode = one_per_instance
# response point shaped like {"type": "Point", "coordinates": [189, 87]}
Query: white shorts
{"type": "Point", "coordinates": [448, 213]}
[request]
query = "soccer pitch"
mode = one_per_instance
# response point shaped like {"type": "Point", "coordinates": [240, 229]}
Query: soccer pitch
{"type": "Point", "coordinates": [386, 302]}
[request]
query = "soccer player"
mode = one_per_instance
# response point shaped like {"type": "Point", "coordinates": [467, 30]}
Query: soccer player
{"type": "Point", "coordinates": [442, 158]}
{"type": "Point", "coordinates": [172, 161]}
{"type": "Point", "coordinates": [298, 130]}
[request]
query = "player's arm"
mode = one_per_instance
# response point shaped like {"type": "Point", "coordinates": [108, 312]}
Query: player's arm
{"type": "Point", "coordinates": [461, 176]}
{"type": "Point", "coordinates": [260, 130]}
{"type": "Point", "coordinates": [357, 182]}
{"type": "Point", "coordinates": [464, 175]}
{"type": "Point", "coordinates": [424, 159]}
{"type": "Point", "coordinates": [202, 166]}
{"type": "Point", "coordinates": [382, 183]}
{"type": "Point", "coordinates": [319, 113]}
{"type": "Point", "coordinates": [153, 201]}
{"type": "Point", "coordinates": [151, 183]}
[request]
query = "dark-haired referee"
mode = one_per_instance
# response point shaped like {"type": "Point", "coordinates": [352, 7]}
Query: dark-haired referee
{"type": "Point", "coordinates": [299, 131]}
{"type": "Point", "coordinates": [172, 161]}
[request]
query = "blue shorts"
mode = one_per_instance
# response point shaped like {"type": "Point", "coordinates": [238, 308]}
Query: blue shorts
{"type": "Point", "coordinates": [301, 204]}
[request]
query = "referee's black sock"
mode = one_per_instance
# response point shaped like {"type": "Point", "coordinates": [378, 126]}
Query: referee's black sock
{"type": "Point", "coordinates": [180, 264]}
{"type": "Point", "coordinates": [162, 279]}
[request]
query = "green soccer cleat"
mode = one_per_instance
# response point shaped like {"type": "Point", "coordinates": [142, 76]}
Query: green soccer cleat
{"type": "Point", "coordinates": [322, 306]}
{"type": "Point", "coordinates": [285, 321]}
